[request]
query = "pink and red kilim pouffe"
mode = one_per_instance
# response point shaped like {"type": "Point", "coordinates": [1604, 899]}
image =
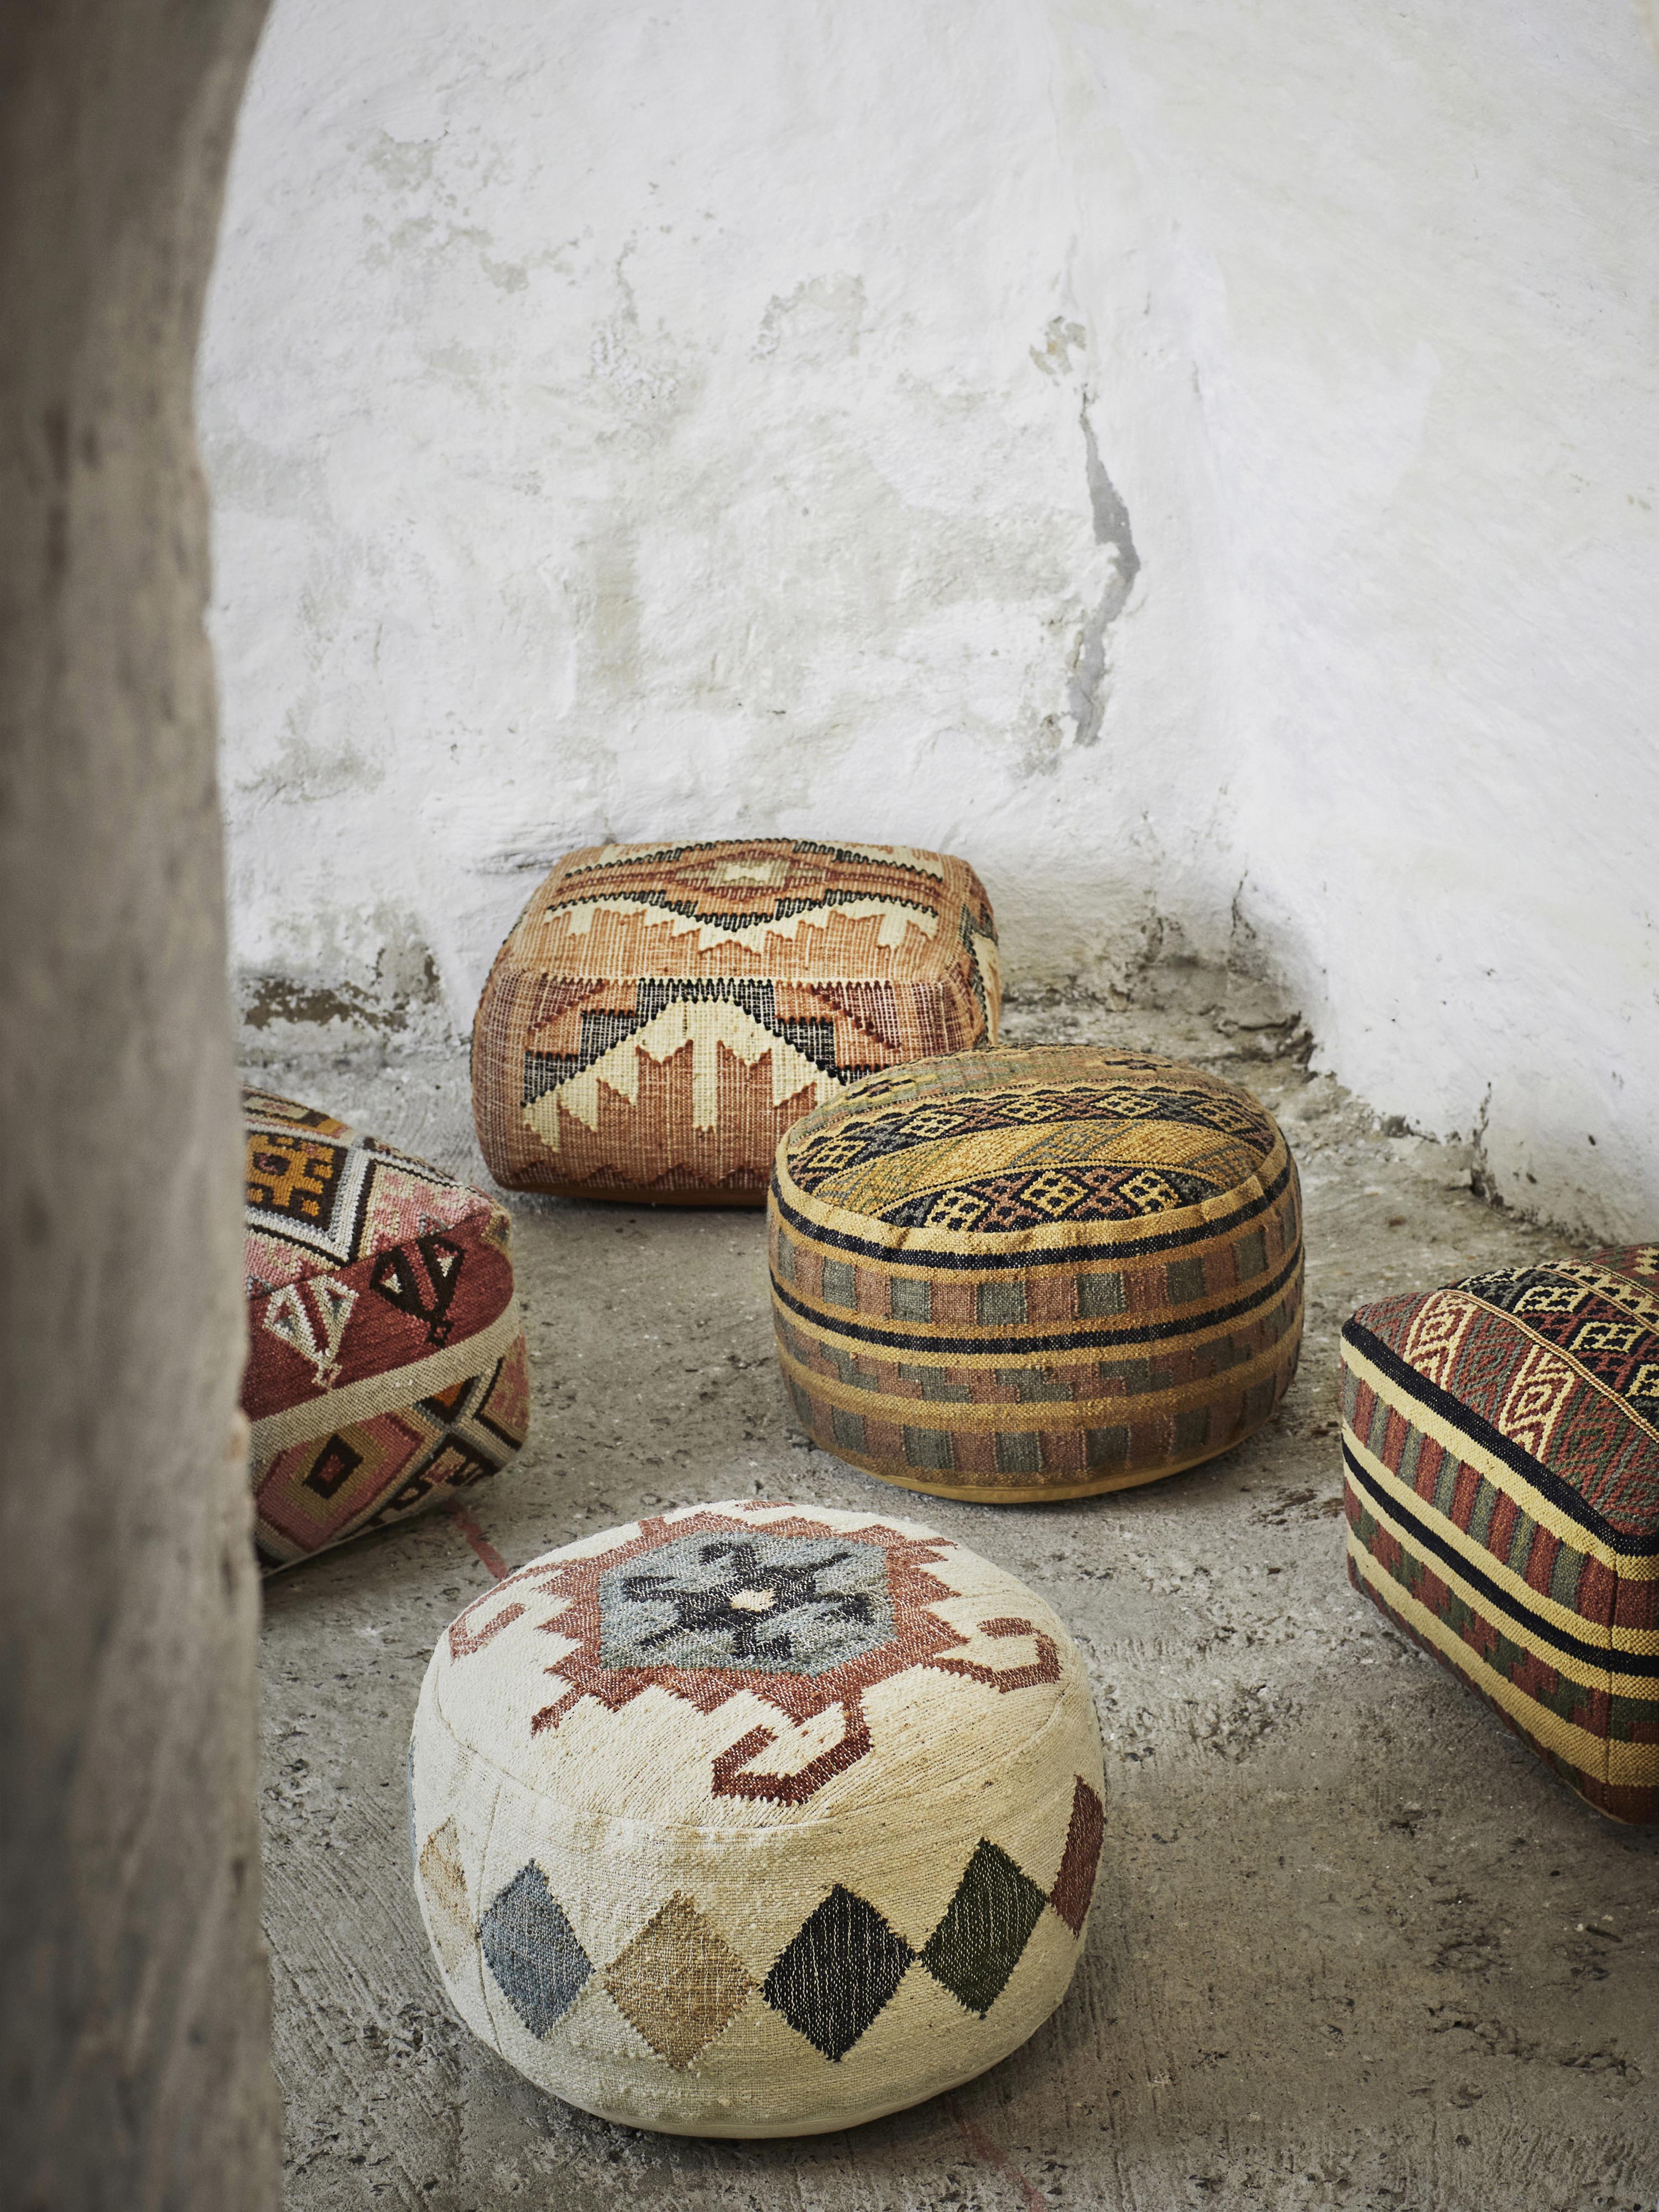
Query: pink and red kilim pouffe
{"type": "Point", "coordinates": [385, 1360]}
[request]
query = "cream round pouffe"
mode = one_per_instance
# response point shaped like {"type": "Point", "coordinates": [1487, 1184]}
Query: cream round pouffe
{"type": "Point", "coordinates": [755, 1819]}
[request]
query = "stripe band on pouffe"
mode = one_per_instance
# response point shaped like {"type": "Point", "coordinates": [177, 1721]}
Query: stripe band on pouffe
{"type": "Point", "coordinates": [1018, 1274]}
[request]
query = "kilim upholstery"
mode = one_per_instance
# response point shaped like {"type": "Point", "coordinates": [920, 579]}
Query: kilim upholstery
{"type": "Point", "coordinates": [755, 1819]}
{"type": "Point", "coordinates": [1501, 1443]}
{"type": "Point", "coordinates": [661, 1013]}
{"type": "Point", "coordinates": [386, 1366]}
{"type": "Point", "coordinates": [1018, 1274]}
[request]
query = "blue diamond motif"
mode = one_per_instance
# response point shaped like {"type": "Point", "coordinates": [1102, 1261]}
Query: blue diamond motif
{"type": "Point", "coordinates": [533, 1951]}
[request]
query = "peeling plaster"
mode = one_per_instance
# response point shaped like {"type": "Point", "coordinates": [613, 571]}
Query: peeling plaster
{"type": "Point", "coordinates": [331, 996]}
{"type": "Point", "coordinates": [748, 508]}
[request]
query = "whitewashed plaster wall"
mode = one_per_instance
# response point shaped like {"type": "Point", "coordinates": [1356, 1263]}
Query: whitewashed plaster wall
{"type": "Point", "coordinates": [1198, 458]}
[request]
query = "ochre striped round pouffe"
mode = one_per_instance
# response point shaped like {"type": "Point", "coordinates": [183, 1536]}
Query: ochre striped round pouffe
{"type": "Point", "coordinates": [1026, 1273]}
{"type": "Point", "coordinates": [756, 1819]}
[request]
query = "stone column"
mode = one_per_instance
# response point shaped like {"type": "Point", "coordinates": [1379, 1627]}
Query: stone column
{"type": "Point", "coordinates": [134, 1993]}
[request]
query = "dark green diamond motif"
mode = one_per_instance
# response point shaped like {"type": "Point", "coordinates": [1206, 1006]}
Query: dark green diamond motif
{"type": "Point", "coordinates": [985, 1927]}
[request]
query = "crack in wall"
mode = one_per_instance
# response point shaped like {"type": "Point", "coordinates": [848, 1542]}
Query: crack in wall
{"type": "Point", "coordinates": [1087, 695]}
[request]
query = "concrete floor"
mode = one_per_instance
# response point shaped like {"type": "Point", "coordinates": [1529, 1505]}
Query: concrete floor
{"type": "Point", "coordinates": [1352, 1946]}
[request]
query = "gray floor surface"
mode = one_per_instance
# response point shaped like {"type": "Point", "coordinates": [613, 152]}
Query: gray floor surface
{"type": "Point", "coordinates": [1352, 1946]}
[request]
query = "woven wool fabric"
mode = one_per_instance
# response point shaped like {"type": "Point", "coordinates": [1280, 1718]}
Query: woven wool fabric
{"type": "Point", "coordinates": [755, 1819]}
{"type": "Point", "coordinates": [386, 1363]}
{"type": "Point", "coordinates": [1500, 1439]}
{"type": "Point", "coordinates": [1019, 1274]}
{"type": "Point", "coordinates": [661, 1013]}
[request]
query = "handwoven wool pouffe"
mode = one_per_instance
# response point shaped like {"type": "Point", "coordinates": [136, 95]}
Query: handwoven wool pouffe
{"type": "Point", "coordinates": [1500, 1439]}
{"type": "Point", "coordinates": [661, 1013]}
{"type": "Point", "coordinates": [755, 1819]}
{"type": "Point", "coordinates": [386, 1363]}
{"type": "Point", "coordinates": [1020, 1275]}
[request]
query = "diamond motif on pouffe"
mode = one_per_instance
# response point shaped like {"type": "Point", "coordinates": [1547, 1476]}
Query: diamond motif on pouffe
{"type": "Point", "coordinates": [533, 1951]}
{"type": "Point", "coordinates": [787, 1605]}
{"type": "Point", "coordinates": [987, 1926]}
{"type": "Point", "coordinates": [835, 1977]}
{"type": "Point", "coordinates": [678, 1982]}
{"type": "Point", "coordinates": [1074, 1885]}
{"type": "Point", "coordinates": [1053, 1193]}
{"type": "Point", "coordinates": [443, 1877]}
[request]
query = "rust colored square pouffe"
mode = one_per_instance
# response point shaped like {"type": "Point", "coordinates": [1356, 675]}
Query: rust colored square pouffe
{"type": "Point", "coordinates": [1019, 1274]}
{"type": "Point", "coordinates": [661, 1013]}
{"type": "Point", "coordinates": [386, 1363]}
{"type": "Point", "coordinates": [1501, 1444]}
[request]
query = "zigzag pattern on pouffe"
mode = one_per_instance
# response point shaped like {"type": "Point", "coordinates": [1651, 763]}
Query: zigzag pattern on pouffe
{"type": "Point", "coordinates": [1016, 1274]}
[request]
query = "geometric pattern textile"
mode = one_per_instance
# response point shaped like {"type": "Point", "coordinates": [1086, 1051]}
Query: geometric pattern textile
{"type": "Point", "coordinates": [386, 1363]}
{"type": "Point", "coordinates": [1024, 1273]}
{"type": "Point", "coordinates": [1500, 1439]}
{"type": "Point", "coordinates": [693, 1879]}
{"type": "Point", "coordinates": [661, 1013]}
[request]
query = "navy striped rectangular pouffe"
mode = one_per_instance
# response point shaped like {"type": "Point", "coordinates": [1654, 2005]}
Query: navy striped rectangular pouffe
{"type": "Point", "coordinates": [1501, 1444]}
